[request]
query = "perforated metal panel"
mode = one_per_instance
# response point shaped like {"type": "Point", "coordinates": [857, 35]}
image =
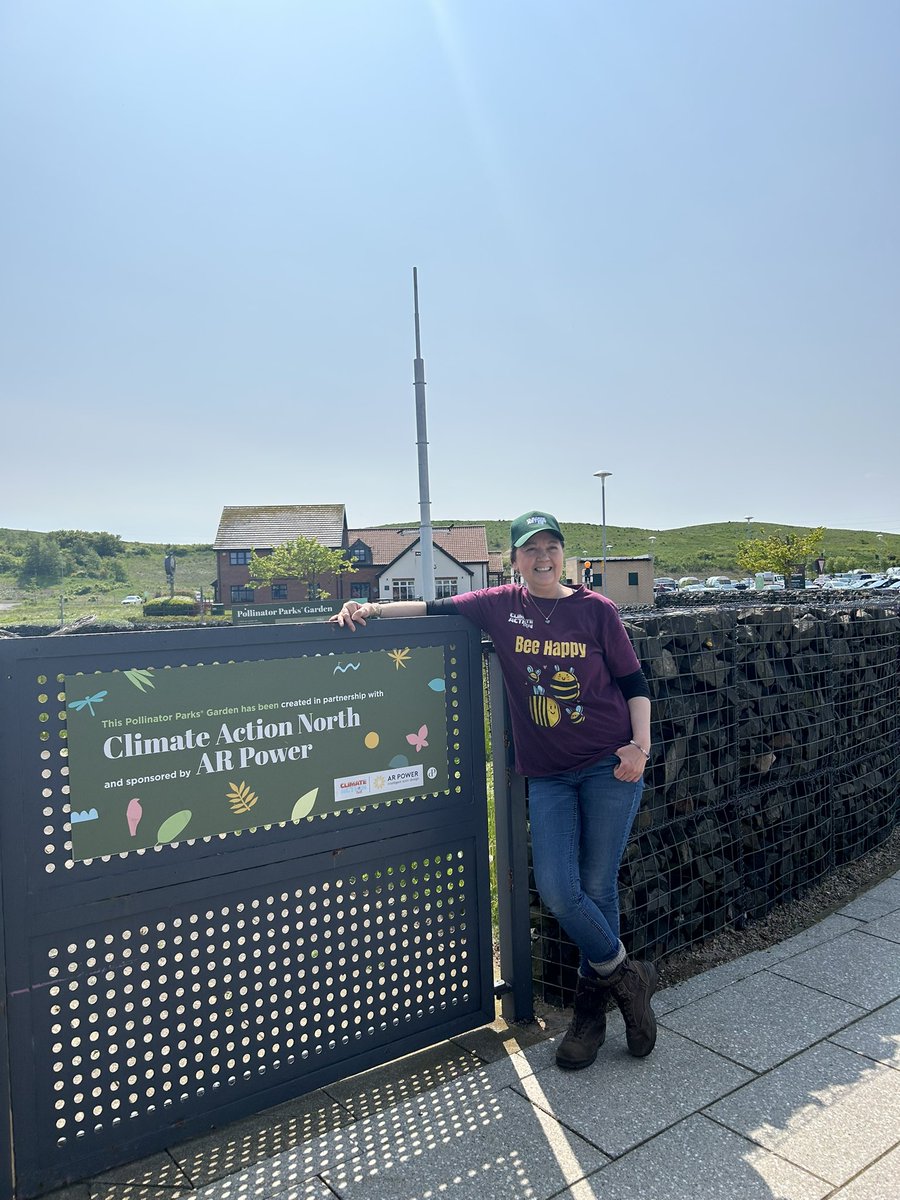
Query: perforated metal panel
{"type": "Point", "coordinates": [185, 985]}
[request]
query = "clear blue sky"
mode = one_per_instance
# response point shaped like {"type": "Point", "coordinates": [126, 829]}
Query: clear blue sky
{"type": "Point", "coordinates": [659, 239]}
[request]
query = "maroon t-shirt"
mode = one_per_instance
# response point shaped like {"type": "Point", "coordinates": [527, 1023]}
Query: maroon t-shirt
{"type": "Point", "coordinates": [567, 709]}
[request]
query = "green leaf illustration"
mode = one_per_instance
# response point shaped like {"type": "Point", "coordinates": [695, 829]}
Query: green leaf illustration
{"type": "Point", "coordinates": [142, 679]}
{"type": "Point", "coordinates": [304, 805]}
{"type": "Point", "coordinates": [173, 826]}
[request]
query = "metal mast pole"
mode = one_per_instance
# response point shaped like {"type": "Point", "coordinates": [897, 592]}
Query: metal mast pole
{"type": "Point", "coordinates": [426, 541]}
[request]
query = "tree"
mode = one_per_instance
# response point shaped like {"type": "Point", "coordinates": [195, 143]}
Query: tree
{"type": "Point", "coordinates": [779, 552]}
{"type": "Point", "coordinates": [42, 563]}
{"type": "Point", "coordinates": [303, 558]}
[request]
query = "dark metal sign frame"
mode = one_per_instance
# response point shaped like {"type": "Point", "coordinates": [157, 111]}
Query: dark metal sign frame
{"type": "Point", "coordinates": [153, 994]}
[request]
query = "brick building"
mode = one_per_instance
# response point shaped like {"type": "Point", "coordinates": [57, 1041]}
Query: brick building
{"type": "Point", "coordinates": [262, 527]}
{"type": "Point", "coordinates": [387, 561]}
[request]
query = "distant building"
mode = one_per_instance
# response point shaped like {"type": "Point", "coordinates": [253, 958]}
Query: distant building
{"type": "Point", "coordinates": [262, 527]}
{"type": "Point", "coordinates": [629, 580]}
{"type": "Point", "coordinates": [387, 561]}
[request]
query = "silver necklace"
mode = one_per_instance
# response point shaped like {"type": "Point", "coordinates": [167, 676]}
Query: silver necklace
{"type": "Point", "coordinates": [546, 616]}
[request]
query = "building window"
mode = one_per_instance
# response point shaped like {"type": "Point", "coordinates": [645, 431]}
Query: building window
{"type": "Point", "coordinates": [360, 591]}
{"type": "Point", "coordinates": [445, 587]}
{"type": "Point", "coordinates": [632, 578]}
{"type": "Point", "coordinates": [279, 591]}
{"type": "Point", "coordinates": [403, 589]}
{"type": "Point", "coordinates": [239, 558]}
{"type": "Point", "coordinates": [241, 595]}
{"type": "Point", "coordinates": [360, 553]}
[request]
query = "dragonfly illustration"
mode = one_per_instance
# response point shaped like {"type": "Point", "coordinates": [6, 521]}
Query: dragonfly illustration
{"type": "Point", "coordinates": [418, 739]}
{"type": "Point", "coordinates": [88, 702]}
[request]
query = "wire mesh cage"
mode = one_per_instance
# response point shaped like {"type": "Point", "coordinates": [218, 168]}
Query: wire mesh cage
{"type": "Point", "coordinates": [775, 759]}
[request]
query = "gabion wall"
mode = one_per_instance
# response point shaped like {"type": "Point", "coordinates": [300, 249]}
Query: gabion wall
{"type": "Point", "coordinates": [775, 758]}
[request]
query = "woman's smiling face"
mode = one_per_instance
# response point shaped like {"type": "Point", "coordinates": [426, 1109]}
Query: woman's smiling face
{"type": "Point", "coordinates": [540, 563]}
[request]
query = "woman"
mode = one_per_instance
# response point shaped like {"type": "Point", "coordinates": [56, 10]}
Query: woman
{"type": "Point", "coordinates": [580, 709]}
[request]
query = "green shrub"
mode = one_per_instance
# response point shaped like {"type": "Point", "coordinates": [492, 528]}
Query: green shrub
{"type": "Point", "coordinates": [172, 606]}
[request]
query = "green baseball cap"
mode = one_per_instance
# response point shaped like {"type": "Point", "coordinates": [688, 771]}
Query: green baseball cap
{"type": "Point", "coordinates": [531, 523]}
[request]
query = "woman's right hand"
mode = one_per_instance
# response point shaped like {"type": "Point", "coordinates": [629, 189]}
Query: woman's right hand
{"type": "Point", "coordinates": [352, 614]}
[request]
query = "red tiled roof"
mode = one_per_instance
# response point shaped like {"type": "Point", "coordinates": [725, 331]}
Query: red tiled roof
{"type": "Point", "coordinates": [263, 526]}
{"type": "Point", "coordinates": [467, 543]}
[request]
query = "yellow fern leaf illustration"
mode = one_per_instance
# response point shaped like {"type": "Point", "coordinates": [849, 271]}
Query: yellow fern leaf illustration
{"type": "Point", "coordinates": [241, 798]}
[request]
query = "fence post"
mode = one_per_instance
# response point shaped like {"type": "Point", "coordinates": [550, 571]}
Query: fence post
{"type": "Point", "coordinates": [7, 1180]}
{"type": "Point", "coordinates": [517, 999]}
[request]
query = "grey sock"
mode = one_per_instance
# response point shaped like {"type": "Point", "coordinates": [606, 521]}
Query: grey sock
{"type": "Point", "coordinates": [607, 968]}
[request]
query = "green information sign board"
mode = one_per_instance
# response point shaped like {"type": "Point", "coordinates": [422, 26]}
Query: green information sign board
{"type": "Point", "coordinates": [273, 614]}
{"type": "Point", "coordinates": [159, 756]}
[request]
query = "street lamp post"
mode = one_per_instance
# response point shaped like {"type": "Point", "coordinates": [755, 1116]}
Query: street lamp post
{"type": "Point", "coordinates": [603, 476]}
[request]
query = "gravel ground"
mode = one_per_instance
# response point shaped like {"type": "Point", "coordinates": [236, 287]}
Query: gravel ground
{"type": "Point", "coordinates": [783, 922]}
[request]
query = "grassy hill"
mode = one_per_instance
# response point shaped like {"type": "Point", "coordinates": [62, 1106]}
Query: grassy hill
{"type": "Point", "coordinates": [92, 584]}
{"type": "Point", "coordinates": [96, 582]}
{"type": "Point", "coordinates": [704, 549]}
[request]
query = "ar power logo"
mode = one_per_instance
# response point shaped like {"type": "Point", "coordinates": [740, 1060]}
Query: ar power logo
{"type": "Point", "coordinates": [398, 779]}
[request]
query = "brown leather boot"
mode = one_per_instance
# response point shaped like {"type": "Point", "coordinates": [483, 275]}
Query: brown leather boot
{"type": "Point", "coordinates": [585, 1034]}
{"type": "Point", "coordinates": [632, 984]}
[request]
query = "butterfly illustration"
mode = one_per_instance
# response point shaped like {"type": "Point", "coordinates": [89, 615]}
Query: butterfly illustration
{"type": "Point", "coordinates": [88, 701]}
{"type": "Point", "coordinates": [418, 739]}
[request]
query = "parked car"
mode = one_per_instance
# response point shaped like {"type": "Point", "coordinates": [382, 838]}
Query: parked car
{"type": "Point", "coordinates": [664, 585]}
{"type": "Point", "coordinates": [688, 581]}
{"type": "Point", "coordinates": [133, 600]}
{"type": "Point", "coordinates": [720, 582]}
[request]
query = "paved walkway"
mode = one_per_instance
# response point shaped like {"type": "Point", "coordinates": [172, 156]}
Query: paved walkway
{"type": "Point", "coordinates": [774, 1076]}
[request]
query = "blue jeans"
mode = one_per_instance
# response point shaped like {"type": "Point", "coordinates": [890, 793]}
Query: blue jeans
{"type": "Point", "coordinates": [580, 821]}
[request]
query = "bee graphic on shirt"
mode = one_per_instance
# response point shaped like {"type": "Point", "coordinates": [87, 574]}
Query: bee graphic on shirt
{"type": "Point", "coordinates": [565, 686]}
{"type": "Point", "coordinates": [543, 708]}
{"type": "Point", "coordinates": [564, 690]}
{"type": "Point", "coordinates": [534, 676]}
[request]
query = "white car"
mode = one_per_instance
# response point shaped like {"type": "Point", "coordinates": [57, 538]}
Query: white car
{"type": "Point", "coordinates": [133, 600]}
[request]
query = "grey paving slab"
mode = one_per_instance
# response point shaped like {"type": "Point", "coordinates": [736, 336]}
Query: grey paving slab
{"type": "Point", "coordinates": [878, 1182]}
{"type": "Point", "coordinates": [718, 977]}
{"type": "Point", "coordinates": [75, 1191]}
{"type": "Point", "coordinates": [857, 967]}
{"type": "Point", "coordinates": [695, 1159]}
{"type": "Point", "coordinates": [877, 1035]}
{"type": "Point", "coordinates": [514, 1152]}
{"type": "Point", "coordinates": [883, 898]}
{"type": "Point", "coordinates": [621, 1101]}
{"type": "Point", "coordinates": [829, 1111]}
{"type": "Point", "coordinates": [157, 1171]}
{"type": "Point", "coordinates": [133, 1191]}
{"type": "Point", "coordinates": [426, 1123]}
{"type": "Point", "coordinates": [243, 1187]}
{"type": "Point", "coordinates": [500, 1040]}
{"type": "Point", "coordinates": [260, 1137]}
{"type": "Point", "coordinates": [383, 1087]}
{"type": "Point", "coordinates": [886, 927]}
{"type": "Point", "coordinates": [761, 1020]}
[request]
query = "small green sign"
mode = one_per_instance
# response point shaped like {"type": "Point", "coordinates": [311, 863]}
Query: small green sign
{"type": "Point", "coordinates": [274, 614]}
{"type": "Point", "coordinates": [158, 756]}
